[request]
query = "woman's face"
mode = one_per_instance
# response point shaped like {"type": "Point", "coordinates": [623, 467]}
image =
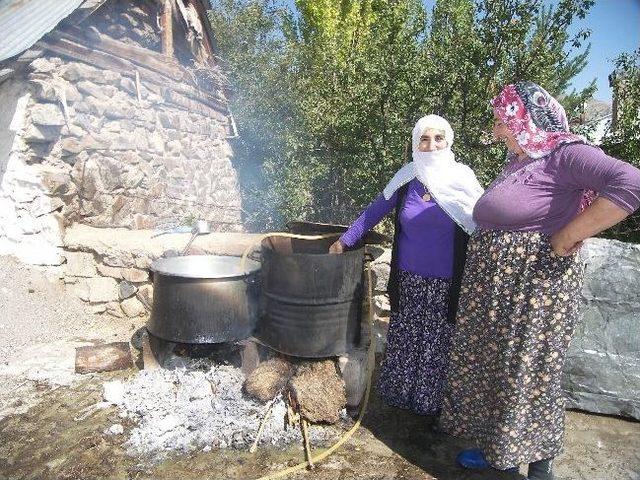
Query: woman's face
{"type": "Point", "coordinates": [432, 140]}
{"type": "Point", "coordinates": [501, 132]}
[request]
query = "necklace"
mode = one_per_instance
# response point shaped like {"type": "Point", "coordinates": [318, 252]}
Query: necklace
{"type": "Point", "coordinates": [426, 196]}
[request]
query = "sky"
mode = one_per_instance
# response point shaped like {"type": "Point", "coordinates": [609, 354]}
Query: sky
{"type": "Point", "coordinates": [615, 28]}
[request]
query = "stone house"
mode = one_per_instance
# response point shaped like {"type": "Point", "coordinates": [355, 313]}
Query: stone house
{"type": "Point", "coordinates": [114, 113]}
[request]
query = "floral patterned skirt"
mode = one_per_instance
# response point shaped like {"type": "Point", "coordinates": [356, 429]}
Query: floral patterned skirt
{"type": "Point", "coordinates": [414, 368]}
{"type": "Point", "coordinates": [518, 306]}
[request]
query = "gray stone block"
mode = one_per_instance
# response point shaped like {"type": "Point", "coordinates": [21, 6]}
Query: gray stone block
{"type": "Point", "coordinates": [132, 307]}
{"type": "Point", "coordinates": [102, 289]}
{"type": "Point", "coordinates": [42, 65]}
{"type": "Point", "coordinates": [79, 71]}
{"type": "Point", "coordinates": [126, 290]}
{"type": "Point", "coordinates": [602, 370]}
{"type": "Point", "coordinates": [93, 90]}
{"type": "Point", "coordinates": [42, 133]}
{"type": "Point", "coordinates": [80, 264]}
{"type": "Point", "coordinates": [47, 114]}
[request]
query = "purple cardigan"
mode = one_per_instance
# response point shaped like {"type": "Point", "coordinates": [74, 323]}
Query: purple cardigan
{"type": "Point", "coordinates": [425, 244]}
{"type": "Point", "coordinates": [544, 195]}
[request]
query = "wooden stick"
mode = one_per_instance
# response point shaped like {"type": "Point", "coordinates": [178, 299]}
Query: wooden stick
{"type": "Point", "coordinates": [138, 88]}
{"type": "Point", "coordinates": [267, 414]}
{"type": "Point", "coordinates": [175, 78]}
{"type": "Point", "coordinates": [103, 358]}
{"type": "Point", "coordinates": [149, 359]}
{"type": "Point", "coordinates": [167, 28]}
{"type": "Point", "coordinates": [304, 425]}
{"type": "Point", "coordinates": [143, 57]}
{"type": "Point", "coordinates": [291, 417]}
{"type": "Point", "coordinates": [127, 68]}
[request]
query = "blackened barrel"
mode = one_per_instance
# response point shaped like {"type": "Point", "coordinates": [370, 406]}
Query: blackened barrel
{"type": "Point", "coordinates": [310, 303]}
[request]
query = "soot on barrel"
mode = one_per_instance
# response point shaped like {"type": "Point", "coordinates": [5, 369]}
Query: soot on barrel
{"type": "Point", "coordinates": [311, 300]}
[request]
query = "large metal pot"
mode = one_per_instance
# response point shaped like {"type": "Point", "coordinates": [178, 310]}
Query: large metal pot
{"type": "Point", "coordinates": [203, 299]}
{"type": "Point", "coordinates": [311, 300]}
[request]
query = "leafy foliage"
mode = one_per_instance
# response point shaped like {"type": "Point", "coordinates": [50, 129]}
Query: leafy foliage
{"type": "Point", "coordinates": [623, 139]}
{"type": "Point", "coordinates": [326, 94]}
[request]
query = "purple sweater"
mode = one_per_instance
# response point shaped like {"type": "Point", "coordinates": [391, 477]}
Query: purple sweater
{"type": "Point", "coordinates": [544, 195]}
{"type": "Point", "coordinates": [426, 232]}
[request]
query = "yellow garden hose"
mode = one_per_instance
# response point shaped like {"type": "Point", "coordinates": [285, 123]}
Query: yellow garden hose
{"type": "Point", "coordinates": [371, 355]}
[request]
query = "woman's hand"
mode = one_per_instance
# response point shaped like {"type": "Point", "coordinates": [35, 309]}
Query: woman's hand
{"type": "Point", "coordinates": [336, 247]}
{"type": "Point", "coordinates": [563, 245]}
{"type": "Point", "coordinates": [599, 216]}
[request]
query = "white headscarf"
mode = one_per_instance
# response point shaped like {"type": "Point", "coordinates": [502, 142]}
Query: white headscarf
{"type": "Point", "coordinates": [452, 185]}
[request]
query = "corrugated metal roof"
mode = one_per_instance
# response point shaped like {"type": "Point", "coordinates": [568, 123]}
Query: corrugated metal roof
{"type": "Point", "coordinates": [24, 22]}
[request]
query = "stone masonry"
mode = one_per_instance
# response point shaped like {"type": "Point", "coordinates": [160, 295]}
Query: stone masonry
{"type": "Point", "coordinates": [92, 146]}
{"type": "Point", "coordinates": [131, 163]}
{"type": "Point", "coordinates": [109, 267]}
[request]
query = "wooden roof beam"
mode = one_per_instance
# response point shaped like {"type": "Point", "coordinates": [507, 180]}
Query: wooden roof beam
{"type": "Point", "coordinates": [166, 24]}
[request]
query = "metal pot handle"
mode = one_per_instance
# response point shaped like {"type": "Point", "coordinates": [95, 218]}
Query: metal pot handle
{"type": "Point", "coordinates": [252, 279]}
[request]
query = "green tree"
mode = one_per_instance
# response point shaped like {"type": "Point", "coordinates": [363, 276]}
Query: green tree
{"type": "Point", "coordinates": [623, 139]}
{"type": "Point", "coordinates": [327, 94]}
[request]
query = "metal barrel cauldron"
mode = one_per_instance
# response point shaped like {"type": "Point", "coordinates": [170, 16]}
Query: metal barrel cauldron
{"type": "Point", "coordinates": [311, 300]}
{"type": "Point", "coordinates": [204, 299]}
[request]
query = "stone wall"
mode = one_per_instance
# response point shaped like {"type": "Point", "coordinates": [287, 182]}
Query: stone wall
{"type": "Point", "coordinates": [30, 221]}
{"type": "Point", "coordinates": [106, 148]}
{"type": "Point", "coordinates": [109, 267]}
{"type": "Point", "coordinates": [380, 269]}
{"type": "Point", "coordinates": [131, 163]}
{"type": "Point", "coordinates": [131, 24]}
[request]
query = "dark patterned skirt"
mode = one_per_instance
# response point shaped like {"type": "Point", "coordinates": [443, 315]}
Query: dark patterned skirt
{"type": "Point", "coordinates": [415, 363]}
{"type": "Point", "coordinates": [518, 306]}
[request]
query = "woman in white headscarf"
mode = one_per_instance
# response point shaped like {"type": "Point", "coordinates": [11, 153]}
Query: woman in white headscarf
{"type": "Point", "coordinates": [433, 197]}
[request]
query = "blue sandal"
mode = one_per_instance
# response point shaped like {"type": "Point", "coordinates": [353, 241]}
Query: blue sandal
{"type": "Point", "coordinates": [473, 458]}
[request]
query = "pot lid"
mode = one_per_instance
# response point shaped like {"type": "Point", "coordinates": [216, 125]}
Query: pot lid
{"type": "Point", "coordinates": [204, 266]}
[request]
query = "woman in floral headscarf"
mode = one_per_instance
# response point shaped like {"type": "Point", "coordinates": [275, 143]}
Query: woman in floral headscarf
{"type": "Point", "coordinates": [522, 282]}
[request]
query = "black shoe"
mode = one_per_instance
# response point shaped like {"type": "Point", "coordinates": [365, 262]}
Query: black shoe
{"type": "Point", "coordinates": [541, 470]}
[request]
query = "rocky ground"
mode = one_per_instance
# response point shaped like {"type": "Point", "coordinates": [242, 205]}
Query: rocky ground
{"type": "Point", "coordinates": [49, 429]}
{"type": "Point", "coordinates": [40, 326]}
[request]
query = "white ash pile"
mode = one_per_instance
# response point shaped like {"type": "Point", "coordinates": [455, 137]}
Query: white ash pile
{"type": "Point", "coordinates": [199, 406]}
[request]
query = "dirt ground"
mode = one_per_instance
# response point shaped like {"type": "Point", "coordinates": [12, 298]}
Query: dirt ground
{"type": "Point", "coordinates": [48, 431]}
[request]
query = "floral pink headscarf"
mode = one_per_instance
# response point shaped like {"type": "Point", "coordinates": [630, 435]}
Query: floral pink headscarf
{"type": "Point", "coordinates": [537, 120]}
